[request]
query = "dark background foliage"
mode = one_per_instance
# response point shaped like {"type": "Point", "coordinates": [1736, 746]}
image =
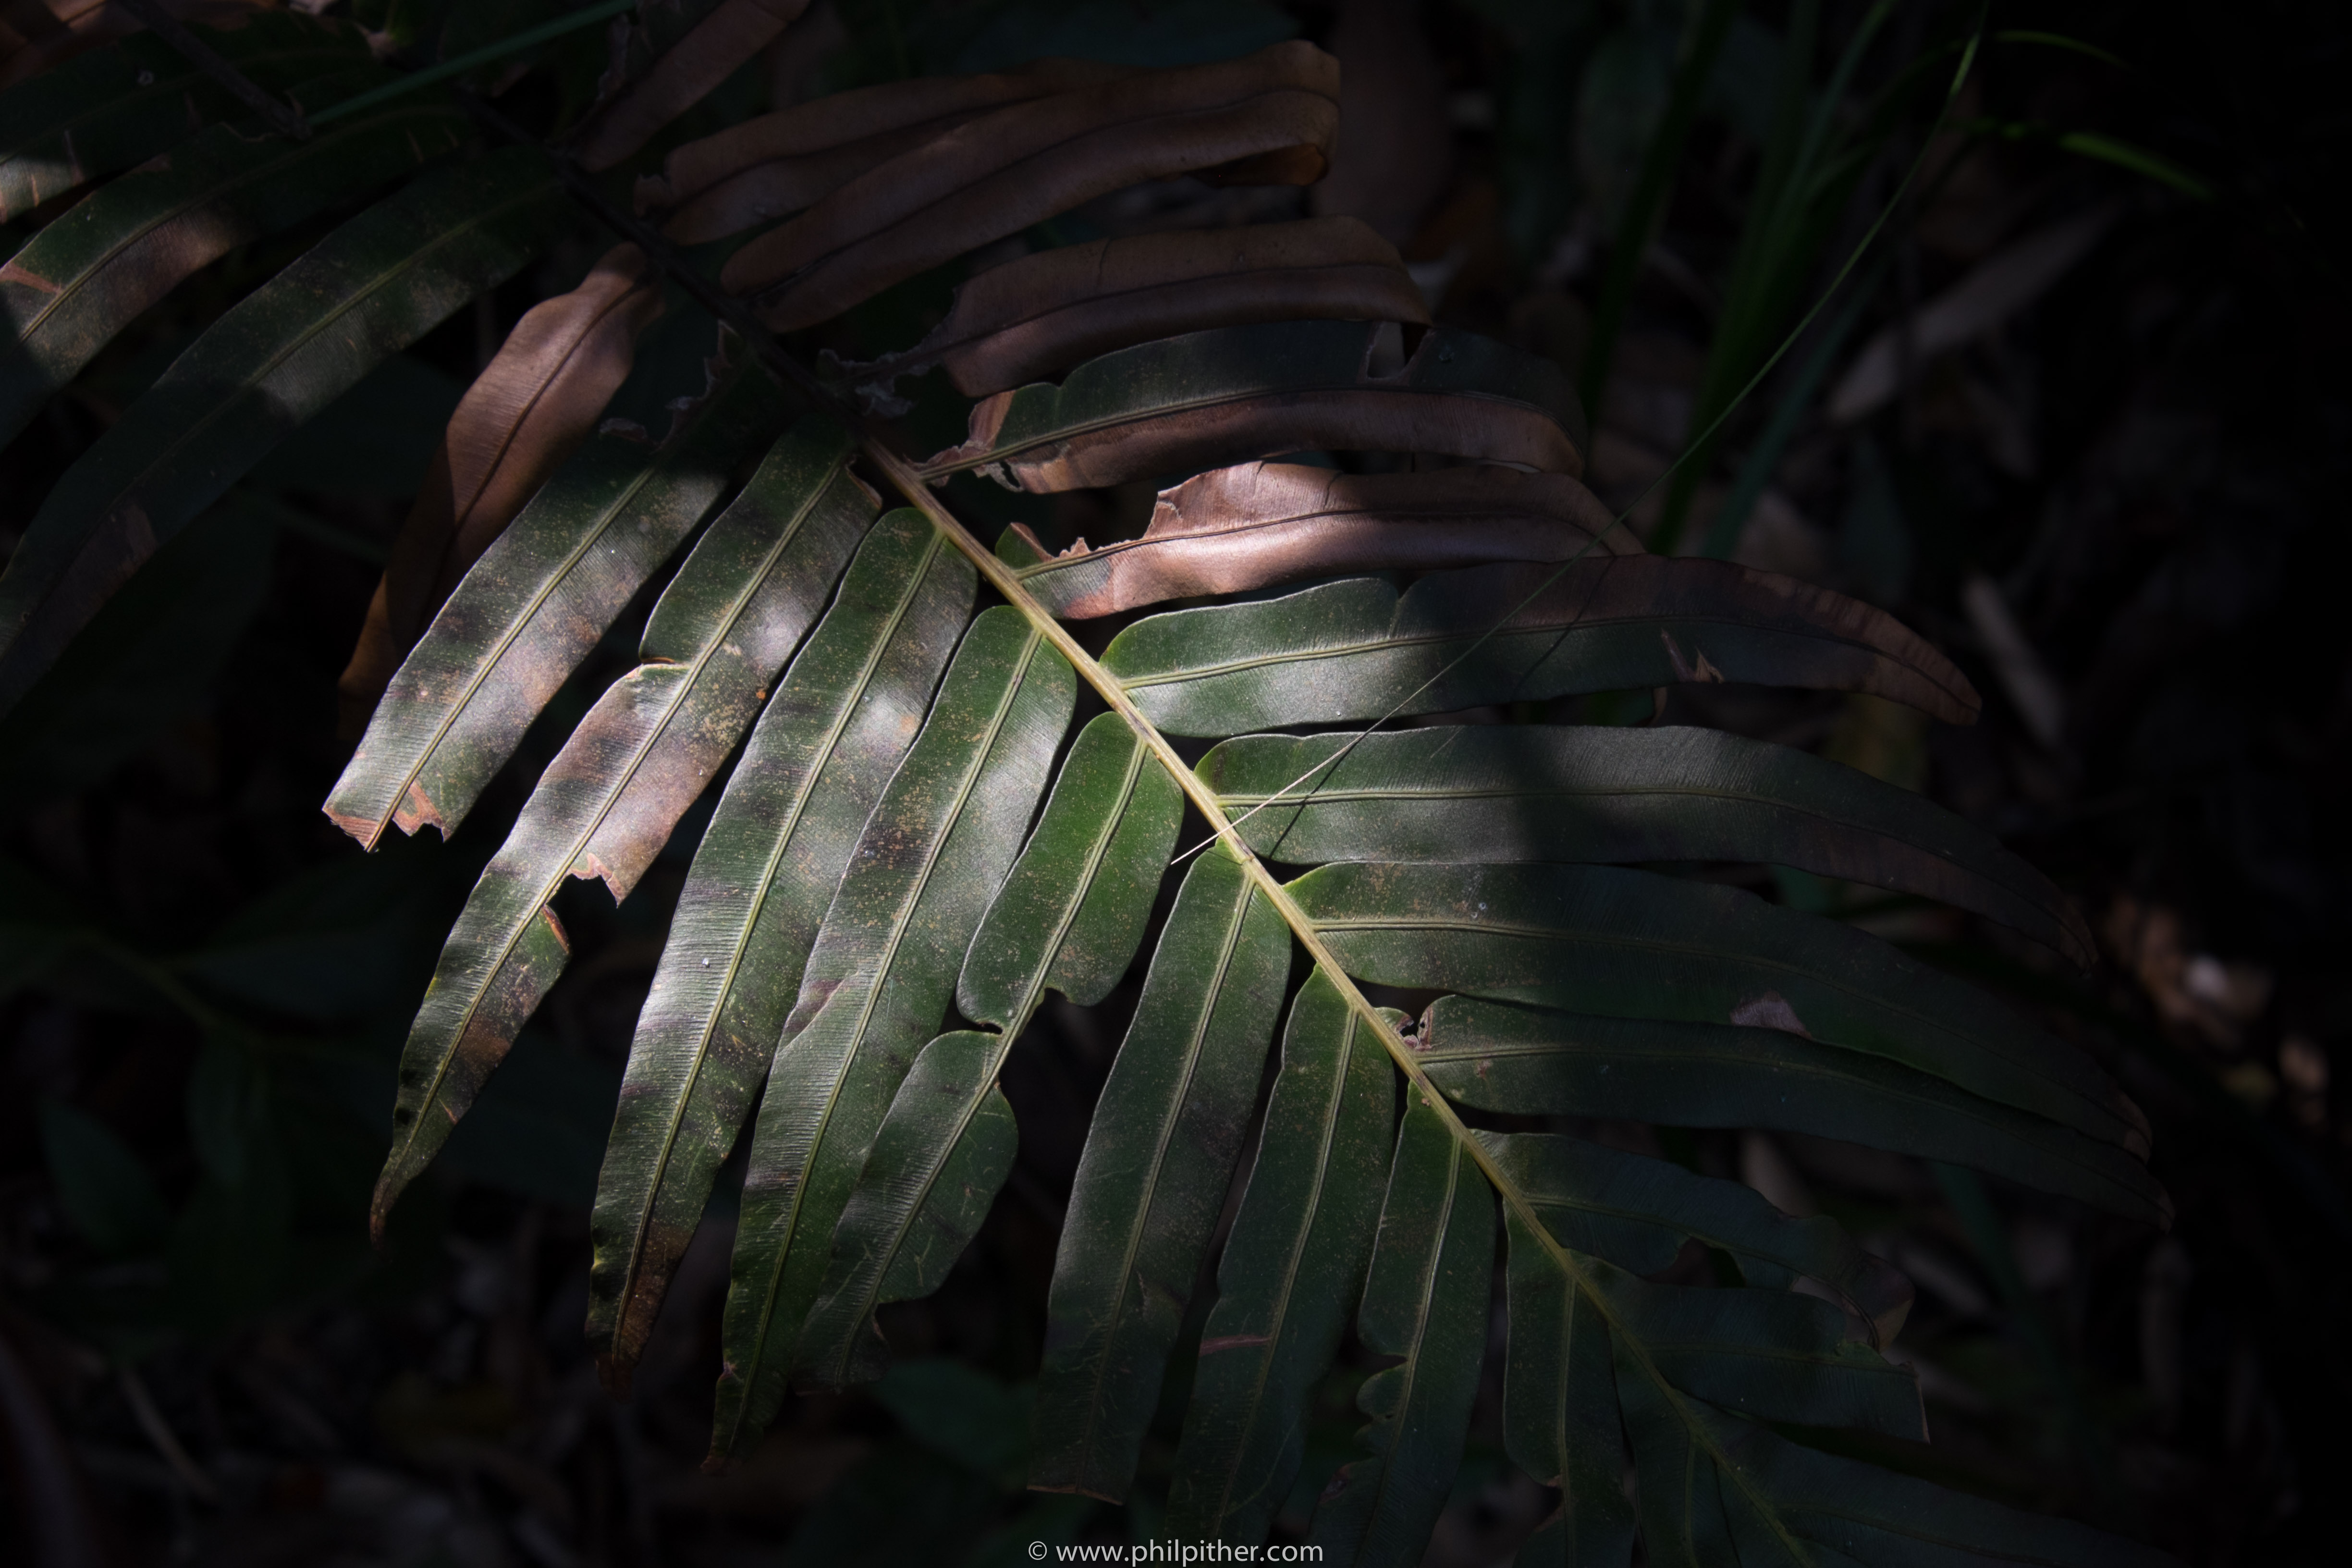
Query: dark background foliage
{"type": "Point", "coordinates": [203, 985]}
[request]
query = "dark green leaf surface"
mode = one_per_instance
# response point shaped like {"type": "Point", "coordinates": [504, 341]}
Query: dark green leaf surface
{"type": "Point", "coordinates": [1157, 1161]}
{"type": "Point", "coordinates": [1526, 792]}
{"type": "Point", "coordinates": [1560, 1409]}
{"type": "Point", "coordinates": [1431, 1277]}
{"type": "Point", "coordinates": [1355, 649]}
{"type": "Point", "coordinates": [536, 603]}
{"type": "Point", "coordinates": [1229, 393]}
{"type": "Point", "coordinates": [1071, 914]}
{"type": "Point", "coordinates": [606, 804]}
{"type": "Point", "coordinates": [819, 758]}
{"type": "Point", "coordinates": [84, 277]}
{"type": "Point", "coordinates": [1534, 1061]}
{"type": "Point", "coordinates": [879, 980]}
{"type": "Point", "coordinates": [1627, 944]}
{"type": "Point", "coordinates": [282, 353]}
{"type": "Point", "coordinates": [1637, 1211]}
{"type": "Point", "coordinates": [108, 110]}
{"type": "Point", "coordinates": [936, 1164]}
{"type": "Point", "coordinates": [1680, 1490]}
{"type": "Point", "coordinates": [1773, 1355]}
{"type": "Point", "coordinates": [1864, 1514]}
{"type": "Point", "coordinates": [1290, 1270]}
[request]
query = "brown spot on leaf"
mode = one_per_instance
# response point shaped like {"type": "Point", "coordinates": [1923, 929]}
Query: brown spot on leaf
{"type": "Point", "coordinates": [1770, 1011]}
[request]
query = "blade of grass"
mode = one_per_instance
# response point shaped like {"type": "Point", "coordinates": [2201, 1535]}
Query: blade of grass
{"type": "Point", "coordinates": [587, 17]}
{"type": "Point", "coordinates": [1632, 239]}
{"type": "Point", "coordinates": [1756, 468]}
{"type": "Point", "coordinates": [1787, 210]}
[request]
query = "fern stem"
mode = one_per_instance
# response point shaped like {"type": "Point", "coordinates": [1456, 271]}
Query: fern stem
{"type": "Point", "coordinates": [910, 484]}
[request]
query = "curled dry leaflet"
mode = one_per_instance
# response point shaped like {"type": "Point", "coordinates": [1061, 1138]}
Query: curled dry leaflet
{"type": "Point", "coordinates": [910, 834]}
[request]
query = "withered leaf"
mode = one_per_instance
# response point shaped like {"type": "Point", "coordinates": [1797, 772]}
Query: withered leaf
{"type": "Point", "coordinates": [1232, 393]}
{"type": "Point", "coordinates": [1233, 530]}
{"type": "Point", "coordinates": [524, 416]}
{"type": "Point", "coordinates": [689, 69]}
{"type": "Point", "coordinates": [781, 163]}
{"type": "Point", "coordinates": [1269, 117]}
{"type": "Point", "coordinates": [1045, 313]}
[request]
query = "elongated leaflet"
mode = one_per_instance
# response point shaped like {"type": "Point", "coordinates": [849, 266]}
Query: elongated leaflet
{"type": "Point", "coordinates": [824, 749]}
{"type": "Point", "coordinates": [1432, 1274]}
{"type": "Point", "coordinates": [1069, 916]}
{"type": "Point", "coordinates": [877, 981]}
{"type": "Point", "coordinates": [125, 102]}
{"type": "Point", "coordinates": [1265, 118]}
{"type": "Point", "coordinates": [547, 589]}
{"type": "Point", "coordinates": [1629, 943]}
{"type": "Point", "coordinates": [606, 804]}
{"type": "Point", "coordinates": [1560, 1410]}
{"type": "Point", "coordinates": [528, 411]}
{"type": "Point", "coordinates": [1341, 651]}
{"type": "Point", "coordinates": [1232, 530]}
{"type": "Point", "coordinates": [1234, 393]}
{"type": "Point", "coordinates": [1293, 1263]}
{"type": "Point", "coordinates": [1157, 1159]}
{"type": "Point", "coordinates": [1054, 309]}
{"type": "Point", "coordinates": [1562, 792]}
{"type": "Point", "coordinates": [1534, 1060]}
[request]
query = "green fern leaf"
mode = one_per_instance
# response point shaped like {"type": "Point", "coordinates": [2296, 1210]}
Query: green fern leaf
{"type": "Point", "coordinates": [549, 588]}
{"type": "Point", "coordinates": [781, 836]}
{"type": "Point", "coordinates": [606, 804]}
{"type": "Point", "coordinates": [1293, 1265]}
{"type": "Point", "coordinates": [1351, 650]}
{"type": "Point", "coordinates": [877, 981]}
{"type": "Point", "coordinates": [1632, 943]}
{"type": "Point", "coordinates": [1167, 1131]}
{"type": "Point", "coordinates": [1432, 1276]}
{"type": "Point", "coordinates": [1526, 791]}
